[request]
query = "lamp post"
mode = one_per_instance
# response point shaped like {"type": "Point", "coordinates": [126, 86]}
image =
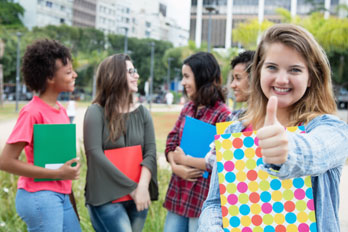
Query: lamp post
{"type": "Point", "coordinates": [125, 40]}
{"type": "Point", "coordinates": [151, 70]}
{"type": "Point", "coordinates": [210, 8]}
{"type": "Point", "coordinates": [168, 75]}
{"type": "Point", "coordinates": [17, 68]}
{"type": "Point", "coordinates": [2, 48]}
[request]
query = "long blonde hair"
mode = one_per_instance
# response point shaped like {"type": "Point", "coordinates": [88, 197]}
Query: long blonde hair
{"type": "Point", "coordinates": [113, 92]}
{"type": "Point", "coordinates": [318, 98]}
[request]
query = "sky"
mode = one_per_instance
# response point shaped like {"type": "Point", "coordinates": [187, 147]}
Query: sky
{"type": "Point", "coordinates": [180, 11]}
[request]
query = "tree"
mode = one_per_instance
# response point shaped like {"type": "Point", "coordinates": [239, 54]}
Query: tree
{"type": "Point", "coordinates": [140, 50]}
{"type": "Point", "coordinates": [10, 14]}
{"type": "Point", "coordinates": [331, 34]}
{"type": "Point", "coordinates": [247, 33]}
{"type": "Point", "coordinates": [286, 16]}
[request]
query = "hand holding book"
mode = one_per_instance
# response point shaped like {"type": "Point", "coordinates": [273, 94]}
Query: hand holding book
{"type": "Point", "coordinates": [70, 170]}
{"type": "Point", "coordinates": [141, 194]}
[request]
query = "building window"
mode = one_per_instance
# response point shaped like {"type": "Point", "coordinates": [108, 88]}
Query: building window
{"type": "Point", "coordinates": [147, 34]}
{"type": "Point", "coordinates": [163, 9]}
{"type": "Point", "coordinates": [62, 20]}
{"type": "Point", "coordinates": [147, 24]}
{"type": "Point", "coordinates": [49, 4]}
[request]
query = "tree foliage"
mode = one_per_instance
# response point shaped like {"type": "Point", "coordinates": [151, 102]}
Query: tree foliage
{"type": "Point", "coordinates": [10, 14]}
{"type": "Point", "coordinates": [89, 47]}
{"type": "Point", "coordinates": [331, 34]}
{"type": "Point", "coordinates": [248, 33]}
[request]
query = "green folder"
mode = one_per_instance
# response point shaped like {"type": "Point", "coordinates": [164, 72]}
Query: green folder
{"type": "Point", "coordinates": [54, 144]}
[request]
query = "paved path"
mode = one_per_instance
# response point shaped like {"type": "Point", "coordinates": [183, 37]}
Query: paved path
{"type": "Point", "coordinates": [6, 128]}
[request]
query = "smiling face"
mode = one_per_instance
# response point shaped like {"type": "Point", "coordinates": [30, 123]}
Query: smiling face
{"type": "Point", "coordinates": [240, 83]}
{"type": "Point", "coordinates": [132, 77]}
{"type": "Point", "coordinates": [188, 81]}
{"type": "Point", "coordinates": [64, 77]}
{"type": "Point", "coordinates": [284, 74]}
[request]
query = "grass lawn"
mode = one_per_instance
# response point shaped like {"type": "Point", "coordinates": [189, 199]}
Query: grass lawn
{"type": "Point", "coordinates": [8, 110]}
{"type": "Point", "coordinates": [9, 220]}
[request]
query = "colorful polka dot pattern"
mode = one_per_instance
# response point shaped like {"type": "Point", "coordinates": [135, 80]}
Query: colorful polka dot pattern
{"type": "Point", "coordinates": [251, 199]}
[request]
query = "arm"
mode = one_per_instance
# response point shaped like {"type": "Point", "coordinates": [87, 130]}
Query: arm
{"type": "Point", "coordinates": [183, 171]}
{"type": "Point", "coordinates": [9, 162]}
{"type": "Point", "coordinates": [211, 216]}
{"type": "Point", "coordinates": [323, 147]}
{"type": "Point", "coordinates": [141, 195]}
{"type": "Point", "coordinates": [173, 138]}
{"type": "Point", "coordinates": [180, 158]}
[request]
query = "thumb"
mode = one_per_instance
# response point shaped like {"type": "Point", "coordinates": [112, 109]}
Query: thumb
{"type": "Point", "coordinates": [271, 113]}
{"type": "Point", "coordinates": [75, 160]}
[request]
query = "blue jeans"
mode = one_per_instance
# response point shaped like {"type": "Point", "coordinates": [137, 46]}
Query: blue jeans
{"type": "Point", "coordinates": [46, 211]}
{"type": "Point", "coordinates": [117, 217]}
{"type": "Point", "coordinates": [177, 223]}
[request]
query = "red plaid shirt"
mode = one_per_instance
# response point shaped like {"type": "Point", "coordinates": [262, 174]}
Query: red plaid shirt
{"type": "Point", "coordinates": [183, 197]}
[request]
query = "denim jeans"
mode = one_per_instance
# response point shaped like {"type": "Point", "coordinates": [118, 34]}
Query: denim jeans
{"type": "Point", "coordinates": [117, 217]}
{"type": "Point", "coordinates": [177, 223]}
{"type": "Point", "coordinates": [46, 211]}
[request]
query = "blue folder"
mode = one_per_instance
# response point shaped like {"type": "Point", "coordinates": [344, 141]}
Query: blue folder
{"type": "Point", "coordinates": [196, 138]}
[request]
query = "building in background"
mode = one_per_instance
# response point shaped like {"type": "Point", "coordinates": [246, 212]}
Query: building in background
{"type": "Point", "coordinates": [227, 14]}
{"type": "Point", "coordinates": [154, 22]}
{"type": "Point", "coordinates": [134, 18]}
{"type": "Point", "coordinates": [39, 13]}
{"type": "Point", "coordinates": [84, 13]}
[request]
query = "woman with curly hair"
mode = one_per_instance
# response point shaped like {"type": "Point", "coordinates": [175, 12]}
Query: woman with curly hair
{"type": "Point", "coordinates": [45, 205]}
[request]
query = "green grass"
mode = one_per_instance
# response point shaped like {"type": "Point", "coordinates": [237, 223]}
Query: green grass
{"type": "Point", "coordinates": [8, 110]}
{"type": "Point", "coordinates": [10, 221]}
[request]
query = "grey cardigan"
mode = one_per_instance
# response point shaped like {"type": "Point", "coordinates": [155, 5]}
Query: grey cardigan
{"type": "Point", "coordinates": [104, 182]}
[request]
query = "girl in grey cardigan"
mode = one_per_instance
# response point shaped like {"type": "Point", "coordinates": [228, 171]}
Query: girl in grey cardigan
{"type": "Point", "coordinates": [114, 121]}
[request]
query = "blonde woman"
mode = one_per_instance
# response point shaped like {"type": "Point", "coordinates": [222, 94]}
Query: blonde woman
{"type": "Point", "coordinates": [291, 86]}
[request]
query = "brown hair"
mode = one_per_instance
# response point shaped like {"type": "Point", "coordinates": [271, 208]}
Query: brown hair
{"type": "Point", "coordinates": [318, 98]}
{"type": "Point", "coordinates": [113, 92]}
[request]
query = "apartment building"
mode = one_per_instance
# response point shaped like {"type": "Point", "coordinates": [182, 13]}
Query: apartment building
{"type": "Point", "coordinates": [227, 14]}
{"type": "Point", "coordinates": [84, 13]}
{"type": "Point", "coordinates": [134, 18]}
{"type": "Point", "coordinates": [39, 13]}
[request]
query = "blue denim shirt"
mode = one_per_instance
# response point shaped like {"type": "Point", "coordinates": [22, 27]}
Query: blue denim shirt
{"type": "Point", "coordinates": [320, 153]}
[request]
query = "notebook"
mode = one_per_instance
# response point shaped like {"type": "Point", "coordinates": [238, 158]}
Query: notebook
{"type": "Point", "coordinates": [253, 200]}
{"type": "Point", "coordinates": [196, 138]}
{"type": "Point", "coordinates": [128, 161]}
{"type": "Point", "coordinates": [54, 144]}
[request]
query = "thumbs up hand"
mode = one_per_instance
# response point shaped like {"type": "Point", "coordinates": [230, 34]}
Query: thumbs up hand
{"type": "Point", "coordinates": [272, 136]}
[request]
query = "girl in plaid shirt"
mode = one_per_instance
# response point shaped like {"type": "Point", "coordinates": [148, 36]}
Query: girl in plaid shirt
{"type": "Point", "coordinates": [187, 188]}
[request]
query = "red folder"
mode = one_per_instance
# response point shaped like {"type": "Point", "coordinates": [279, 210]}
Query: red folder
{"type": "Point", "coordinates": [127, 160]}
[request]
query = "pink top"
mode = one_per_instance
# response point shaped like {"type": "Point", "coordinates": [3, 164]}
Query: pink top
{"type": "Point", "coordinates": [38, 112]}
